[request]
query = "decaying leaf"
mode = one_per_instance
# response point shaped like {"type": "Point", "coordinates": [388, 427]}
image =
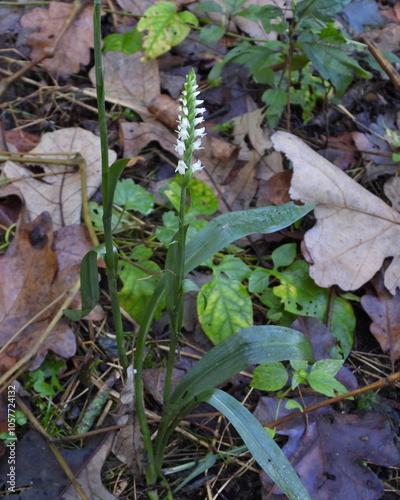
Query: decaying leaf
{"type": "Point", "coordinates": [36, 269]}
{"type": "Point", "coordinates": [129, 81]}
{"type": "Point", "coordinates": [74, 47]}
{"type": "Point", "coordinates": [384, 310]}
{"type": "Point", "coordinates": [39, 475]}
{"type": "Point", "coordinates": [60, 195]}
{"type": "Point", "coordinates": [327, 451]}
{"type": "Point", "coordinates": [355, 230]}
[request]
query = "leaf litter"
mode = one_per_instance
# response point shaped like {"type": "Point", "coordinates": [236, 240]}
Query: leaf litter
{"type": "Point", "coordinates": [236, 169]}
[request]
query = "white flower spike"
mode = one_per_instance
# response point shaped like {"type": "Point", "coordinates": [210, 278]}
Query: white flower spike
{"type": "Point", "coordinates": [189, 138]}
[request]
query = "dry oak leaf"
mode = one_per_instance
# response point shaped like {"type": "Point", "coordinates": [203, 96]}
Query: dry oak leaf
{"type": "Point", "coordinates": [60, 195]}
{"type": "Point", "coordinates": [355, 230]}
{"type": "Point", "coordinates": [384, 310]}
{"type": "Point", "coordinates": [129, 81]}
{"type": "Point", "coordinates": [73, 48]}
{"type": "Point", "coordinates": [36, 269]}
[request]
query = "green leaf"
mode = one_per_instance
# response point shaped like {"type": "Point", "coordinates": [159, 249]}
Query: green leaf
{"type": "Point", "coordinates": [291, 404]}
{"type": "Point", "coordinates": [228, 308]}
{"type": "Point", "coordinates": [90, 291]}
{"type": "Point", "coordinates": [44, 389]}
{"type": "Point", "coordinates": [128, 43]}
{"type": "Point", "coordinates": [264, 14]}
{"type": "Point", "coordinates": [325, 383]}
{"type": "Point", "coordinates": [96, 211]}
{"type": "Point", "coordinates": [284, 255]}
{"type": "Point", "coordinates": [211, 34]}
{"type": "Point", "coordinates": [270, 377]}
{"type": "Point", "coordinates": [166, 232]}
{"type": "Point", "coordinates": [234, 5]}
{"type": "Point", "coordinates": [131, 196]}
{"type": "Point", "coordinates": [202, 465]}
{"type": "Point", "coordinates": [166, 28]}
{"type": "Point", "coordinates": [227, 228]}
{"type": "Point", "coordinates": [259, 280]}
{"type": "Point", "coordinates": [233, 267]}
{"type": "Point", "coordinates": [141, 252]}
{"type": "Point", "coordinates": [139, 284]}
{"type": "Point", "coordinates": [319, 8]}
{"type": "Point", "coordinates": [276, 100]}
{"type": "Point", "coordinates": [330, 366]}
{"type": "Point", "coordinates": [209, 7]}
{"type": "Point", "coordinates": [253, 345]}
{"type": "Point", "coordinates": [333, 64]}
{"type": "Point", "coordinates": [260, 444]}
{"type": "Point", "coordinates": [301, 296]}
{"type": "Point", "coordinates": [202, 199]}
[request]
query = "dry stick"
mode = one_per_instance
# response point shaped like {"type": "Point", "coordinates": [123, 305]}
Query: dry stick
{"type": "Point", "coordinates": [52, 446]}
{"type": "Point", "coordinates": [387, 66]}
{"type": "Point", "coordinates": [48, 52]}
{"type": "Point", "coordinates": [391, 379]}
{"type": "Point", "coordinates": [19, 366]}
{"type": "Point", "coordinates": [77, 162]}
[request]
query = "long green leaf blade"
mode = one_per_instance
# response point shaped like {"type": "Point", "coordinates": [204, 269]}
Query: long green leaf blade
{"type": "Point", "coordinates": [253, 345]}
{"type": "Point", "coordinates": [226, 228]}
{"type": "Point", "coordinates": [260, 444]}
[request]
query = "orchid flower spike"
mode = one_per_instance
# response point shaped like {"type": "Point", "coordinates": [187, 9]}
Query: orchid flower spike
{"type": "Point", "coordinates": [189, 137]}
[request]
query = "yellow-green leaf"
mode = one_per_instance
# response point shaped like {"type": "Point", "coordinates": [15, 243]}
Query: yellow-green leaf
{"type": "Point", "coordinates": [165, 27]}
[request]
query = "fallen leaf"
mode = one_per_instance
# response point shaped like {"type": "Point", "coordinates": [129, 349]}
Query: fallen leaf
{"type": "Point", "coordinates": [384, 310]}
{"type": "Point", "coordinates": [392, 191]}
{"type": "Point", "coordinates": [137, 7]}
{"type": "Point", "coordinates": [33, 275]}
{"type": "Point", "coordinates": [387, 38]}
{"type": "Point", "coordinates": [39, 474]}
{"type": "Point", "coordinates": [355, 230]}
{"type": "Point", "coordinates": [20, 141]}
{"type": "Point", "coordinates": [129, 81]}
{"type": "Point", "coordinates": [128, 446]}
{"type": "Point", "coordinates": [74, 47]}
{"type": "Point", "coordinates": [165, 109]}
{"type": "Point", "coordinates": [60, 195]}
{"type": "Point", "coordinates": [276, 189]}
{"type": "Point", "coordinates": [328, 451]}
{"type": "Point", "coordinates": [11, 203]}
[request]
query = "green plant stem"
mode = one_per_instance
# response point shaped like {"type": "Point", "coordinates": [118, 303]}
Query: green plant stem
{"type": "Point", "coordinates": [110, 260]}
{"type": "Point", "coordinates": [176, 320]}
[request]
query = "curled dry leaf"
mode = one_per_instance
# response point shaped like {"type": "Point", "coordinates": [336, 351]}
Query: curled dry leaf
{"type": "Point", "coordinates": [73, 48]}
{"type": "Point", "coordinates": [60, 194]}
{"type": "Point", "coordinates": [355, 230]}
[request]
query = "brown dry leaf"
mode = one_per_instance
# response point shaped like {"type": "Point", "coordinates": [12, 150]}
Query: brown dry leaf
{"type": "Point", "coordinates": [387, 38]}
{"type": "Point", "coordinates": [35, 270]}
{"type": "Point", "coordinates": [90, 476]}
{"type": "Point", "coordinates": [129, 81]}
{"type": "Point", "coordinates": [136, 135]}
{"type": "Point", "coordinates": [355, 230]}
{"type": "Point", "coordinates": [276, 189]}
{"type": "Point", "coordinates": [384, 310]}
{"type": "Point", "coordinates": [128, 446]}
{"type": "Point", "coordinates": [137, 7]}
{"type": "Point", "coordinates": [60, 195]}
{"type": "Point", "coordinates": [74, 47]}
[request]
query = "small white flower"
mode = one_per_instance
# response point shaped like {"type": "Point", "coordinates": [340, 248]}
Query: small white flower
{"type": "Point", "coordinates": [183, 101]}
{"type": "Point", "coordinates": [182, 133]}
{"type": "Point", "coordinates": [181, 167]}
{"type": "Point", "coordinates": [185, 123]}
{"type": "Point", "coordinates": [197, 144]}
{"type": "Point", "coordinates": [200, 132]}
{"type": "Point", "coordinates": [197, 103]}
{"type": "Point", "coordinates": [198, 120]}
{"type": "Point", "coordinates": [180, 148]}
{"type": "Point", "coordinates": [200, 111]}
{"type": "Point", "coordinates": [197, 166]}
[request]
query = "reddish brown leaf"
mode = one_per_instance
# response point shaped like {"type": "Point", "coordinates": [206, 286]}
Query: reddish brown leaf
{"type": "Point", "coordinates": [74, 47]}
{"type": "Point", "coordinates": [37, 268]}
{"type": "Point", "coordinates": [384, 310]}
{"type": "Point", "coordinates": [276, 189]}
